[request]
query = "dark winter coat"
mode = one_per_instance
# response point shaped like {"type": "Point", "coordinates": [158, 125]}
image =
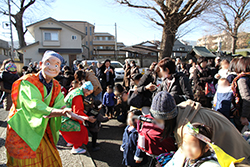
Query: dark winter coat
{"type": "Point", "coordinates": [146, 79]}
{"type": "Point", "coordinates": [180, 88]}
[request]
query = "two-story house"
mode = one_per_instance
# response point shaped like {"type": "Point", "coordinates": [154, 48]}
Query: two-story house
{"type": "Point", "coordinates": [87, 42]}
{"type": "Point", "coordinates": [50, 34]}
{"type": "Point", "coordinates": [104, 46]}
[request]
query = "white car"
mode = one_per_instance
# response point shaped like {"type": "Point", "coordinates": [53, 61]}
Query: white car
{"type": "Point", "coordinates": [119, 71]}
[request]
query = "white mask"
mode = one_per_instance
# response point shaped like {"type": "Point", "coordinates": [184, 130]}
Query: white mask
{"type": "Point", "coordinates": [131, 65]}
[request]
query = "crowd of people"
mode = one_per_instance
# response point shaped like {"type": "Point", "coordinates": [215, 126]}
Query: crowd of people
{"type": "Point", "coordinates": [194, 117]}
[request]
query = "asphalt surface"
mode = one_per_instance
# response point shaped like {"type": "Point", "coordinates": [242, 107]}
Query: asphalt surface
{"type": "Point", "coordinates": [110, 140]}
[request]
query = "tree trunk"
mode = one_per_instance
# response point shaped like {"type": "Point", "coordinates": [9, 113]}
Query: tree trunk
{"type": "Point", "coordinates": [167, 42]}
{"type": "Point", "coordinates": [234, 40]}
{"type": "Point", "coordinates": [19, 27]}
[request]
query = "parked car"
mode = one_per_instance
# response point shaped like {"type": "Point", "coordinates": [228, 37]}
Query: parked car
{"type": "Point", "coordinates": [119, 71]}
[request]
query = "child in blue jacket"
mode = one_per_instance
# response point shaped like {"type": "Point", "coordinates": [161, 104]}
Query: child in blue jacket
{"type": "Point", "coordinates": [109, 101]}
{"type": "Point", "coordinates": [132, 155]}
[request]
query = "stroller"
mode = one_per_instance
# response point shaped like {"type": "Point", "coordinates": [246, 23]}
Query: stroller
{"type": "Point", "coordinates": [150, 139]}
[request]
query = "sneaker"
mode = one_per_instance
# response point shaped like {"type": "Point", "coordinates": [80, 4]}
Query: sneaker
{"type": "Point", "coordinates": [69, 145]}
{"type": "Point", "coordinates": [96, 149]}
{"type": "Point", "coordinates": [78, 151]}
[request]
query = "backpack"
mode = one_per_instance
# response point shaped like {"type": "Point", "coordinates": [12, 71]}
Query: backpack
{"type": "Point", "coordinates": [150, 139]}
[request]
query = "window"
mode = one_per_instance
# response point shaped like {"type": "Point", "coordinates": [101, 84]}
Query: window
{"type": "Point", "coordinates": [27, 61]}
{"type": "Point", "coordinates": [73, 37]}
{"type": "Point", "coordinates": [182, 49]}
{"type": "Point", "coordinates": [90, 43]}
{"type": "Point", "coordinates": [109, 38]}
{"type": "Point", "coordinates": [51, 36]}
{"type": "Point", "coordinates": [90, 30]}
{"type": "Point", "coordinates": [86, 30]}
{"type": "Point", "coordinates": [106, 38]}
{"type": "Point", "coordinates": [116, 65]}
{"type": "Point", "coordinates": [87, 43]}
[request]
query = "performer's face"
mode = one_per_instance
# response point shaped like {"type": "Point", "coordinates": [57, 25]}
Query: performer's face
{"type": "Point", "coordinates": [51, 67]}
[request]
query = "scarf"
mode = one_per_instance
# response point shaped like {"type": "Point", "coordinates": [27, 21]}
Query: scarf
{"type": "Point", "coordinates": [198, 162]}
{"type": "Point", "coordinates": [236, 92]}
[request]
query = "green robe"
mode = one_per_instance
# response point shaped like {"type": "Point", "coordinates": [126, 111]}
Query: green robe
{"type": "Point", "coordinates": [28, 122]}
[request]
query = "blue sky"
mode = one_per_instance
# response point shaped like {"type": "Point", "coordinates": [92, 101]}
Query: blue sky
{"type": "Point", "coordinates": [132, 27]}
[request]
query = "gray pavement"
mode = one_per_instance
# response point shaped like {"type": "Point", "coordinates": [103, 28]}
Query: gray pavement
{"type": "Point", "coordinates": [110, 139]}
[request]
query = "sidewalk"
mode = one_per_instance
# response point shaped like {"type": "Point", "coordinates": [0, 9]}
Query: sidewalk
{"type": "Point", "coordinates": [68, 160]}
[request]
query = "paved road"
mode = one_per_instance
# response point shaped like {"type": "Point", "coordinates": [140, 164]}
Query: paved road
{"type": "Point", "coordinates": [110, 139]}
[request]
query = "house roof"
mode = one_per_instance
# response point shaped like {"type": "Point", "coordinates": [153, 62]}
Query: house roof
{"type": "Point", "coordinates": [62, 24]}
{"type": "Point", "coordinates": [202, 51]}
{"type": "Point", "coordinates": [103, 34]}
{"type": "Point", "coordinates": [37, 42]}
{"type": "Point", "coordinates": [142, 48]}
{"type": "Point", "coordinates": [4, 44]}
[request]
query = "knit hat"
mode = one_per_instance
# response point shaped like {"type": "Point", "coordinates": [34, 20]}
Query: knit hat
{"type": "Point", "coordinates": [163, 106]}
{"type": "Point", "coordinates": [87, 85]}
{"type": "Point", "coordinates": [52, 53]}
{"type": "Point", "coordinates": [10, 67]}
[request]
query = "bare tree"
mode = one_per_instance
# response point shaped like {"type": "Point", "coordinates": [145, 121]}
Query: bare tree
{"type": "Point", "coordinates": [228, 16]}
{"type": "Point", "coordinates": [17, 16]}
{"type": "Point", "coordinates": [170, 15]}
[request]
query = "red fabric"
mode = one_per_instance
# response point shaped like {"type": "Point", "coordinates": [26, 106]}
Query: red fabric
{"type": "Point", "coordinates": [64, 91]}
{"type": "Point", "coordinates": [154, 144]}
{"type": "Point", "coordinates": [81, 137]}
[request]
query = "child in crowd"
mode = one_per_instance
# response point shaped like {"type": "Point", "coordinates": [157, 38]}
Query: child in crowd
{"type": "Point", "coordinates": [109, 101]}
{"type": "Point", "coordinates": [74, 84]}
{"type": "Point", "coordinates": [223, 98]}
{"type": "Point", "coordinates": [223, 72]}
{"type": "Point", "coordinates": [132, 155]}
{"type": "Point", "coordinates": [195, 150]}
{"type": "Point", "coordinates": [94, 128]}
{"type": "Point", "coordinates": [136, 78]}
{"type": "Point", "coordinates": [122, 109]}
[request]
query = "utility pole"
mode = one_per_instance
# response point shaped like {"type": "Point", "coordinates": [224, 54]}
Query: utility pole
{"type": "Point", "coordinates": [11, 37]}
{"type": "Point", "coordinates": [115, 42]}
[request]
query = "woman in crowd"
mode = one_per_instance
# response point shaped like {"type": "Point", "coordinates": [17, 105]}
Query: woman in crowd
{"type": "Point", "coordinates": [8, 76]}
{"type": "Point", "coordinates": [241, 89]}
{"type": "Point", "coordinates": [126, 78]}
{"type": "Point", "coordinates": [134, 70]}
{"type": "Point", "coordinates": [79, 76]}
{"type": "Point", "coordinates": [176, 83]}
{"type": "Point", "coordinates": [232, 70]}
{"type": "Point", "coordinates": [75, 101]}
{"type": "Point", "coordinates": [147, 86]}
{"type": "Point", "coordinates": [106, 75]}
{"type": "Point", "coordinates": [173, 118]}
{"type": "Point", "coordinates": [202, 75]}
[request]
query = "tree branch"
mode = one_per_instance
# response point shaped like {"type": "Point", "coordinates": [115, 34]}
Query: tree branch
{"type": "Point", "coordinates": [126, 2]}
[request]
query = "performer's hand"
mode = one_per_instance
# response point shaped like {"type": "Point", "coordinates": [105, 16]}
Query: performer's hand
{"type": "Point", "coordinates": [66, 112]}
{"type": "Point", "coordinates": [91, 119]}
